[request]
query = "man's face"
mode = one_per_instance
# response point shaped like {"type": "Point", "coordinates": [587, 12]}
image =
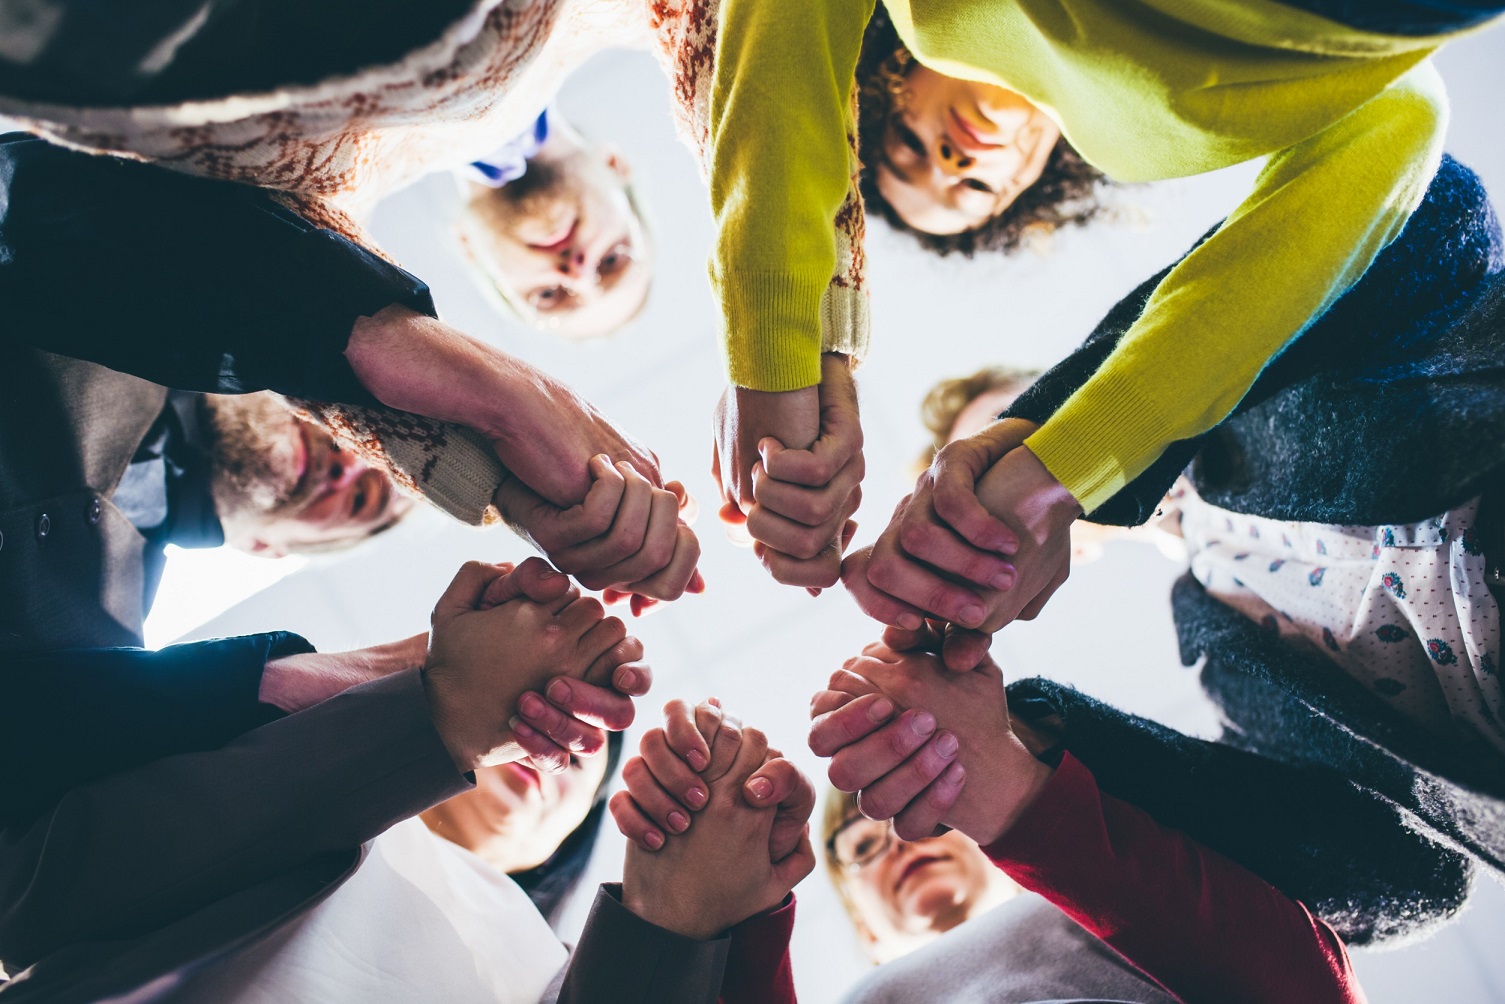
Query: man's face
{"type": "Point", "coordinates": [563, 243]}
{"type": "Point", "coordinates": [283, 485]}
{"type": "Point", "coordinates": [958, 153]}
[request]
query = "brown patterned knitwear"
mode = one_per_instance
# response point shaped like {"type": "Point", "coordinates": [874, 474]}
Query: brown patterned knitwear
{"type": "Point", "coordinates": [332, 149]}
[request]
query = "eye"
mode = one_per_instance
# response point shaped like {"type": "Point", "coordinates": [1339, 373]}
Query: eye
{"type": "Point", "coordinates": [908, 137]}
{"type": "Point", "coordinates": [976, 186]}
{"type": "Point", "coordinates": [357, 501]}
{"type": "Point", "coordinates": [548, 298]}
{"type": "Point", "coordinates": [615, 260]}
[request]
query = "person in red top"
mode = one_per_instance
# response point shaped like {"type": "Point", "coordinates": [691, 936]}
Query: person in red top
{"type": "Point", "coordinates": [1192, 921]}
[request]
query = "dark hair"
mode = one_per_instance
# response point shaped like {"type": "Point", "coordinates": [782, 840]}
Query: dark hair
{"type": "Point", "coordinates": [1066, 192]}
{"type": "Point", "coordinates": [551, 884]}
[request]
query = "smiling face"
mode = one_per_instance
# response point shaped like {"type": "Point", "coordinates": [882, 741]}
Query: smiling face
{"type": "Point", "coordinates": [902, 893]}
{"type": "Point", "coordinates": [282, 485]}
{"type": "Point", "coordinates": [516, 817]}
{"type": "Point", "coordinates": [564, 243]}
{"type": "Point", "coordinates": [957, 153]}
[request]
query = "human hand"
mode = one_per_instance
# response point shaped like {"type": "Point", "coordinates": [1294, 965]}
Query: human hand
{"type": "Point", "coordinates": [483, 660]}
{"type": "Point", "coordinates": [923, 746]}
{"type": "Point", "coordinates": [626, 536]}
{"type": "Point", "coordinates": [666, 782]}
{"type": "Point", "coordinates": [295, 682]}
{"type": "Point", "coordinates": [973, 557]}
{"type": "Point", "coordinates": [544, 433]}
{"type": "Point", "coordinates": [790, 466]}
{"type": "Point", "coordinates": [719, 872]}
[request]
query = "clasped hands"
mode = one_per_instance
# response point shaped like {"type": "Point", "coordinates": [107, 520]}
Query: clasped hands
{"type": "Point", "coordinates": [984, 539]}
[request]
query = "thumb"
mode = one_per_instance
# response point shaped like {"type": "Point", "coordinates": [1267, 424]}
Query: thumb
{"type": "Point", "coordinates": [534, 579]}
{"type": "Point", "coordinates": [465, 591]}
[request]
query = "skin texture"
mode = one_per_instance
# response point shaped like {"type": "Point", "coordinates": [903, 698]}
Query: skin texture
{"type": "Point", "coordinates": [922, 746]}
{"type": "Point", "coordinates": [984, 539]}
{"type": "Point", "coordinates": [563, 244]}
{"type": "Point", "coordinates": [789, 468]}
{"type": "Point", "coordinates": [282, 485]}
{"type": "Point", "coordinates": [487, 659]}
{"type": "Point", "coordinates": [746, 851]}
{"type": "Point", "coordinates": [917, 890]}
{"type": "Point", "coordinates": [517, 816]}
{"type": "Point", "coordinates": [960, 152]}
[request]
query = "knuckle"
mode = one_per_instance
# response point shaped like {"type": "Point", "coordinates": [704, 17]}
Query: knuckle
{"type": "Point", "coordinates": [915, 536]}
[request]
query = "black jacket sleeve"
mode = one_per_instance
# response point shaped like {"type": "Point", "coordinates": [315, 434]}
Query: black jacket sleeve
{"type": "Point", "coordinates": [69, 717]}
{"type": "Point", "coordinates": [190, 283]}
{"type": "Point", "coordinates": [129, 853]}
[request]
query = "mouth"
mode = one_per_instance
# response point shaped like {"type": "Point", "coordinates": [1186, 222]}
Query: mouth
{"type": "Point", "coordinates": [914, 867]}
{"type": "Point", "coordinates": [528, 775]}
{"type": "Point", "coordinates": [968, 136]}
{"type": "Point", "coordinates": [559, 240]}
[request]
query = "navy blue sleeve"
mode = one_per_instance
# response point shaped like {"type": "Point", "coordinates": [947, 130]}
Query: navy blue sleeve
{"type": "Point", "coordinates": [69, 717]}
{"type": "Point", "coordinates": [194, 284]}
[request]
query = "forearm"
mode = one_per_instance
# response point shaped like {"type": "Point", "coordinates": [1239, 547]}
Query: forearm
{"type": "Point", "coordinates": [74, 716]}
{"type": "Point", "coordinates": [190, 283]}
{"type": "Point", "coordinates": [780, 170]}
{"type": "Point", "coordinates": [1320, 213]}
{"type": "Point", "coordinates": [1203, 927]}
{"type": "Point", "coordinates": [139, 849]}
{"type": "Point", "coordinates": [758, 969]}
{"type": "Point", "coordinates": [301, 680]}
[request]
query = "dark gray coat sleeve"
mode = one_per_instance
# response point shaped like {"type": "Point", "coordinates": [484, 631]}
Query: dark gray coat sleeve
{"type": "Point", "coordinates": [135, 851]}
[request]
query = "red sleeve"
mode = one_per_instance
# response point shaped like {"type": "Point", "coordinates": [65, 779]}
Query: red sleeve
{"type": "Point", "coordinates": [757, 964]}
{"type": "Point", "coordinates": [1201, 926]}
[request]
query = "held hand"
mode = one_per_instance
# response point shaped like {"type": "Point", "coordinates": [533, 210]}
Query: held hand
{"type": "Point", "coordinates": [790, 466]}
{"type": "Point", "coordinates": [626, 536]}
{"type": "Point", "coordinates": [666, 784]}
{"type": "Point", "coordinates": [719, 872]}
{"type": "Point", "coordinates": [481, 660]}
{"type": "Point", "coordinates": [898, 728]}
{"type": "Point", "coordinates": [544, 433]}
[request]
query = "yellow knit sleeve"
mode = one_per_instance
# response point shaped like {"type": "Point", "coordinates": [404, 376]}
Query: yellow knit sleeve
{"type": "Point", "coordinates": [780, 179]}
{"type": "Point", "coordinates": [1319, 214]}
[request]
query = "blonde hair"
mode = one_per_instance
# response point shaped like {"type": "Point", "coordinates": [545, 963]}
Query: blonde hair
{"type": "Point", "coordinates": [945, 401]}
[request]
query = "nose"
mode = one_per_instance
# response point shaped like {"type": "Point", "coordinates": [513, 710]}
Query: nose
{"type": "Point", "coordinates": [951, 159]}
{"type": "Point", "coordinates": [570, 261]}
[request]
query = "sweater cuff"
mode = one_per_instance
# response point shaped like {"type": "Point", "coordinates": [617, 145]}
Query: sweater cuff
{"type": "Point", "coordinates": [772, 329]}
{"type": "Point", "coordinates": [622, 957]}
{"type": "Point", "coordinates": [1103, 437]}
{"type": "Point", "coordinates": [758, 970]}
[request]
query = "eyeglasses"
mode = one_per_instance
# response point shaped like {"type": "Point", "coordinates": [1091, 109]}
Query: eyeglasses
{"type": "Point", "coordinates": [860, 841]}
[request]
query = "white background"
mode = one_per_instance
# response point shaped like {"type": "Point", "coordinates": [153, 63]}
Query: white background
{"type": "Point", "coordinates": [764, 649]}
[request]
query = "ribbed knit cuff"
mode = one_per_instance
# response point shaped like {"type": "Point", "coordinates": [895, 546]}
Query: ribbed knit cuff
{"type": "Point", "coordinates": [772, 329]}
{"type": "Point", "coordinates": [1103, 437]}
{"type": "Point", "coordinates": [845, 322]}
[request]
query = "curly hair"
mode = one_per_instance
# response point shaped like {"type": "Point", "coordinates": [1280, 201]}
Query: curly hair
{"type": "Point", "coordinates": [1065, 194]}
{"type": "Point", "coordinates": [945, 401]}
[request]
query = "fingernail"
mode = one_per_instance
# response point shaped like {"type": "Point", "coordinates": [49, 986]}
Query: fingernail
{"type": "Point", "coordinates": [678, 822]}
{"type": "Point", "coordinates": [695, 797]}
{"type": "Point", "coordinates": [627, 679]}
{"type": "Point", "coordinates": [955, 774]}
{"type": "Point", "coordinates": [654, 839]}
{"type": "Point", "coordinates": [973, 615]}
{"type": "Point", "coordinates": [760, 787]}
{"type": "Point", "coordinates": [946, 745]}
{"type": "Point", "coordinates": [923, 723]}
{"type": "Point", "coordinates": [519, 729]}
{"type": "Point", "coordinates": [696, 759]}
{"type": "Point", "coordinates": [1002, 580]}
{"type": "Point", "coordinates": [559, 692]}
{"type": "Point", "coordinates": [532, 705]}
{"type": "Point", "coordinates": [909, 622]}
{"type": "Point", "coordinates": [879, 710]}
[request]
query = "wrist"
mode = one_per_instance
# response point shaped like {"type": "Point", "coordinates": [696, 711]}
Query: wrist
{"type": "Point", "coordinates": [664, 915]}
{"type": "Point", "coordinates": [1009, 787]}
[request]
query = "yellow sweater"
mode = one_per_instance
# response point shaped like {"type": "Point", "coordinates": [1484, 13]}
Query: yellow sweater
{"type": "Point", "coordinates": [1352, 123]}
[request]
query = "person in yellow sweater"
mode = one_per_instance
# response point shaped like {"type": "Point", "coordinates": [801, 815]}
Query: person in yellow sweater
{"type": "Point", "coordinates": [1340, 98]}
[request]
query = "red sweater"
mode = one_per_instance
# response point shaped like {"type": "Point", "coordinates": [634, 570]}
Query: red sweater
{"type": "Point", "coordinates": [1201, 926]}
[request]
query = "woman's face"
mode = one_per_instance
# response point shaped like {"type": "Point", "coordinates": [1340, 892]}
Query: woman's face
{"type": "Point", "coordinates": [917, 890]}
{"type": "Point", "coordinates": [516, 817]}
{"type": "Point", "coordinates": [959, 153]}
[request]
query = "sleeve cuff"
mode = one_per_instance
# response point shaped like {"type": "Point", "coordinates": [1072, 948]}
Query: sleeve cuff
{"type": "Point", "coordinates": [1051, 822]}
{"type": "Point", "coordinates": [772, 329]}
{"type": "Point", "coordinates": [622, 957]}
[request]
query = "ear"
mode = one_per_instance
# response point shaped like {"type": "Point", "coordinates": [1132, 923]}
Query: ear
{"type": "Point", "coordinates": [616, 163]}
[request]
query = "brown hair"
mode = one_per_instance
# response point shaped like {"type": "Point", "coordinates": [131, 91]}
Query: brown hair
{"type": "Point", "coordinates": [1065, 194]}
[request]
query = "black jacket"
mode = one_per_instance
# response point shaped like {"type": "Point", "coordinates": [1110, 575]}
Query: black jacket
{"type": "Point", "coordinates": [1389, 408]}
